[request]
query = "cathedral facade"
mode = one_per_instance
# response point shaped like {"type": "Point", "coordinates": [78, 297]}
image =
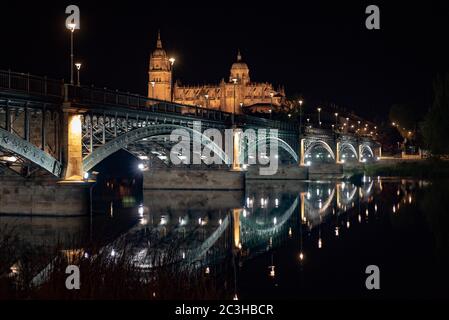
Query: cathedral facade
{"type": "Point", "coordinates": [236, 95]}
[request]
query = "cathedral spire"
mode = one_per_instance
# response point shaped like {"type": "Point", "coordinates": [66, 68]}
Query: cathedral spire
{"type": "Point", "coordinates": [239, 56]}
{"type": "Point", "coordinates": [159, 42]}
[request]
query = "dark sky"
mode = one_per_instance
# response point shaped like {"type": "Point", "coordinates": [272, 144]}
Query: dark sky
{"type": "Point", "coordinates": [319, 49]}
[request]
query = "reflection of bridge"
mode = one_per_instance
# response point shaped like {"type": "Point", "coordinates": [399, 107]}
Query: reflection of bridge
{"type": "Point", "coordinates": [262, 222]}
{"type": "Point", "coordinates": [67, 130]}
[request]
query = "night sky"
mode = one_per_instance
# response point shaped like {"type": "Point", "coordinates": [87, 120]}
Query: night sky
{"type": "Point", "coordinates": [319, 49]}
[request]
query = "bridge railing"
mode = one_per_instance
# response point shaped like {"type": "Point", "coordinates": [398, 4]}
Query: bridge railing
{"type": "Point", "coordinates": [117, 98]}
{"type": "Point", "coordinates": [24, 82]}
{"type": "Point", "coordinates": [262, 122]}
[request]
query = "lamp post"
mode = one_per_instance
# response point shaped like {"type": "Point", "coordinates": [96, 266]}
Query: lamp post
{"type": "Point", "coordinates": [234, 81]}
{"type": "Point", "coordinates": [72, 27]}
{"type": "Point", "coordinates": [78, 67]}
{"type": "Point", "coordinates": [300, 114]}
{"type": "Point", "coordinates": [319, 116]}
{"type": "Point", "coordinates": [172, 63]}
{"type": "Point", "coordinates": [271, 104]}
{"type": "Point", "coordinates": [206, 96]}
{"type": "Point", "coordinates": [152, 88]}
{"type": "Point", "coordinates": [336, 119]}
{"type": "Point", "coordinates": [241, 107]}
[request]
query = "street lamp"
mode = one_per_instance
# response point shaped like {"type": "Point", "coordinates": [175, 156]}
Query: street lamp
{"type": "Point", "coordinates": [241, 107]}
{"type": "Point", "coordinates": [207, 100]}
{"type": "Point", "coordinates": [300, 114]}
{"type": "Point", "coordinates": [336, 119]}
{"type": "Point", "coordinates": [172, 62]}
{"type": "Point", "coordinates": [271, 104]}
{"type": "Point", "coordinates": [234, 81]}
{"type": "Point", "coordinates": [319, 116]}
{"type": "Point", "coordinates": [78, 67]}
{"type": "Point", "coordinates": [72, 27]}
{"type": "Point", "coordinates": [152, 88]}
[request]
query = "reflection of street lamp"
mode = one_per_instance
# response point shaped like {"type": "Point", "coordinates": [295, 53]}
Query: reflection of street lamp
{"type": "Point", "coordinates": [271, 104]}
{"type": "Point", "coordinates": [319, 116]}
{"type": "Point", "coordinates": [172, 62]}
{"type": "Point", "coordinates": [72, 27]}
{"type": "Point", "coordinates": [78, 67]}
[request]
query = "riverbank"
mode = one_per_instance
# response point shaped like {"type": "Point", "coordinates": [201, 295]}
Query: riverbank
{"type": "Point", "coordinates": [427, 169]}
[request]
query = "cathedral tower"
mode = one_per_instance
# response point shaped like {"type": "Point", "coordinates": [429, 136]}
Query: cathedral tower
{"type": "Point", "coordinates": [160, 73]}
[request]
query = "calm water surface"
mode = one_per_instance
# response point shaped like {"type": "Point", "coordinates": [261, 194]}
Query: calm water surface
{"type": "Point", "coordinates": [282, 240]}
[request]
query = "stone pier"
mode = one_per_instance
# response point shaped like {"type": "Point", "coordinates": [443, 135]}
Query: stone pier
{"type": "Point", "coordinates": [193, 179]}
{"type": "Point", "coordinates": [43, 197]}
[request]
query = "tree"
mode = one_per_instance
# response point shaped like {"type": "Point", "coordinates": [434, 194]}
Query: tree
{"type": "Point", "coordinates": [435, 128]}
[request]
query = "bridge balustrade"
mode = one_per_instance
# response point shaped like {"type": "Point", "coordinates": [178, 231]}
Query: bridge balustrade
{"type": "Point", "coordinates": [22, 82]}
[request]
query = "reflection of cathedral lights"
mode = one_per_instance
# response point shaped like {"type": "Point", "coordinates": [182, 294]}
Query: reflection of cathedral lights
{"type": "Point", "coordinates": [399, 192]}
{"type": "Point", "coordinates": [337, 231]}
{"type": "Point", "coordinates": [375, 208]}
{"type": "Point", "coordinates": [348, 224]}
{"type": "Point", "coordinates": [366, 212]}
{"type": "Point", "coordinates": [359, 218]}
{"type": "Point", "coordinates": [301, 256]}
{"type": "Point", "coordinates": [207, 270]}
{"type": "Point", "coordinates": [410, 199]}
{"type": "Point", "coordinates": [394, 209]}
{"type": "Point", "coordinates": [320, 243]}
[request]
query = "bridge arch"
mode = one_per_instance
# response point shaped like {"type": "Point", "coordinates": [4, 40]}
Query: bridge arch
{"type": "Point", "coordinates": [252, 148]}
{"type": "Point", "coordinates": [101, 153]}
{"type": "Point", "coordinates": [366, 150]}
{"type": "Point", "coordinates": [347, 146]}
{"type": "Point", "coordinates": [318, 143]}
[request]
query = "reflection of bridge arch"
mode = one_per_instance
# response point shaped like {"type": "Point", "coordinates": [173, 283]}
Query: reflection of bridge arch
{"type": "Point", "coordinates": [347, 197]}
{"type": "Point", "coordinates": [196, 254]}
{"type": "Point", "coordinates": [318, 143]}
{"type": "Point", "coordinates": [262, 229]}
{"type": "Point", "coordinates": [122, 141]}
{"type": "Point", "coordinates": [253, 147]}
{"type": "Point", "coordinates": [324, 206]}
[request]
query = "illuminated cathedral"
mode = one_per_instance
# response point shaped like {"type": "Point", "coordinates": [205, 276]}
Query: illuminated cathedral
{"type": "Point", "coordinates": [238, 94]}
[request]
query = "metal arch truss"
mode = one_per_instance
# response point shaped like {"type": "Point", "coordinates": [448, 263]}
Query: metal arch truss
{"type": "Point", "coordinates": [253, 147]}
{"type": "Point", "coordinates": [310, 143]}
{"type": "Point", "coordinates": [30, 152]}
{"type": "Point", "coordinates": [122, 141]}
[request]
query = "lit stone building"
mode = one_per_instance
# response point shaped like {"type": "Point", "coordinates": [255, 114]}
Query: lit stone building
{"type": "Point", "coordinates": [238, 92]}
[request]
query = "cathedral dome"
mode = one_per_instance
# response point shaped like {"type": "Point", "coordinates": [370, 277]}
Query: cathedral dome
{"type": "Point", "coordinates": [239, 65]}
{"type": "Point", "coordinates": [239, 70]}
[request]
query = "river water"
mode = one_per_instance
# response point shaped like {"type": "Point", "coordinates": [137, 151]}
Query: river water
{"type": "Point", "coordinates": [284, 240]}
